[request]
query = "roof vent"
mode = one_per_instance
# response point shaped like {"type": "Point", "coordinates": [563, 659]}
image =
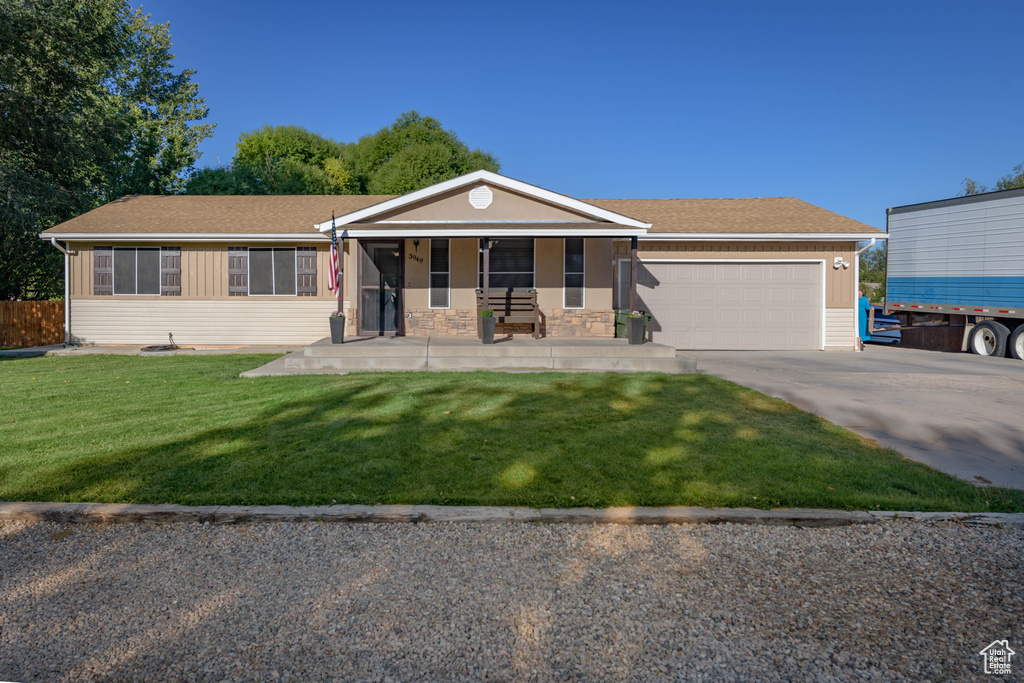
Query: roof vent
{"type": "Point", "coordinates": [480, 197]}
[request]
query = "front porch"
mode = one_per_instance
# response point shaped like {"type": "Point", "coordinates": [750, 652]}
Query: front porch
{"type": "Point", "coordinates": [551, 354]}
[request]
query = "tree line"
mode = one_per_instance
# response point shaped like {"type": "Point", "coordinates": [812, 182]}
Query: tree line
{"type": "Point", "coordinates": [91, 109]}
{"type": "Point", "coordinates": [413, 152]}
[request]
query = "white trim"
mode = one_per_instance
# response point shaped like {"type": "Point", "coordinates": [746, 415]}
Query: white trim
{"type": "Point", "coordinates": [430, 272]}
{"type": "Point", "coordinates": [67, 292]}
{"type": "Point", "coordinates": [821, 295]}
{"type": "Point", "coordinates": [622, 296]}
{"type": "Point", "coordinates": [187, 237]}
{"type": "Point", "coordinates": [583, 273]}
{"type": "Point", "coordinates": [480, 222]}
{"type": "Point", "coordinates": [496, 232]}
{"type": "Point", "coordinates": [493, 179]}
{"type": "Point", "coordinates": [760, 236]}
{"type": "Point", "coordinates": [856, 299]}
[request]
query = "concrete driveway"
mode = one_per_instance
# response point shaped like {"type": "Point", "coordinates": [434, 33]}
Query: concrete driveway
{"type": "Point", "coordinates": [956, 412]}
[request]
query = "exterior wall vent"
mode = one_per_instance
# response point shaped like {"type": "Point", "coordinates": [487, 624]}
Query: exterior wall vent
{"type": "Point", "coordinates": [480, 197]}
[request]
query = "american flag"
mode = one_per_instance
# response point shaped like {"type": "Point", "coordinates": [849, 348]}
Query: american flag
{"type": "Point", "coordinates": [335, 275]}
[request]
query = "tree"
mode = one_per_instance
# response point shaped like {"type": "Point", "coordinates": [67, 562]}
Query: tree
{"type": "Point", "coordinates": [872, 270]}
{"type": "Point", "coordinates": [1011, 180]}
{"type": "Point", "coordinates": [278, 143]}
{"type": "Point", "coordinates": [278, 160]}
{"type": "Point", "coordinates": [91, 110]}
{"type": "Point", "coordinates": [413, 152]}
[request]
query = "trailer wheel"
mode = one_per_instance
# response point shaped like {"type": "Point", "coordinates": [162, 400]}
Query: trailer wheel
{"type": "Point", "coordinates": [988, 338]}
{"type": "Point", "coordinates": [1017, 343]}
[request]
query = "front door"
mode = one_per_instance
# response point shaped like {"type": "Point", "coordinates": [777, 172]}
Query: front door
{"type": "Point", "coordinates": [380, 288]}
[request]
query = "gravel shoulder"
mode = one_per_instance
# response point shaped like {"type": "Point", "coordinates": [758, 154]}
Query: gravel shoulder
{"type": "Point", "coordinates": [309, 601]}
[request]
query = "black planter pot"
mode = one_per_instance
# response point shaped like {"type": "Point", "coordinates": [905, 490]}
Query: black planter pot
{"type": "Point", "coordinates": [337, 329]}
{"type": "Point", "coordinates": [487, 329]}
{"type": "Point", "coordinates": [635, 329]}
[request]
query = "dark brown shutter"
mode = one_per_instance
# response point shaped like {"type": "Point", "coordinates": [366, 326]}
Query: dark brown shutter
{"type": "Point", "coordinates": [305, 268]}
{"type": "Point", "coordinates": [238, 271]}
{"type": "Point", "coordinates": [170, 271]}
{"type": "Point", "coordinates": [102, 270]}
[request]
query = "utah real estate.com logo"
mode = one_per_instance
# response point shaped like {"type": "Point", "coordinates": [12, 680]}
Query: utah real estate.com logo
{"type": "Point", "coordinates": [997, 657]}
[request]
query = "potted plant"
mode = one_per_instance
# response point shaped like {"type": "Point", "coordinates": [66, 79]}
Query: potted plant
{"type": "Point", "coordinates": [636, 323]}
{"type": "Point", "coordinates": [487, 325]}
{"type": "Point", "coordinates": [337, 327]}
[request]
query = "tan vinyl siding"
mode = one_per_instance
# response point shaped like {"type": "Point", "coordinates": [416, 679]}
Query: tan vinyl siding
{"type": "Point", "coordinates": [839, 328]}
{"type": "Point", "coordinates": [251, 320]}
{"type": "Point", "coordinates": [80, 269]}
{"type": "Point", "coordinates": [598, 275]}
{"type": "Point", "coordinates": [204, 270]}
{"type": "Point", "coordinates": [839, 284]}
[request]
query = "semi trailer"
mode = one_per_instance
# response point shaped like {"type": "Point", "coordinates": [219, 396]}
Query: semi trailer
{"type": "Point", "coordinates": [961, 260]}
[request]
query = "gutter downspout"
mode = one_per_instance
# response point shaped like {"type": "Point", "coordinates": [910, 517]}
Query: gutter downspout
{"type": "Point", "coordinates": [67, 302]}
{"type": "Point", "coordinates": [870, 244]}
{"type": "Point", "coordinates": [856, 286]}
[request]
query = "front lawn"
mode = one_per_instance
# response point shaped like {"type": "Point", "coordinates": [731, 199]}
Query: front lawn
{"type": "Point", "coordinates": [188, 430]}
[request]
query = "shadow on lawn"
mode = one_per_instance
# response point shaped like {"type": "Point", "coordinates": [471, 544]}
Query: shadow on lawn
{"type": "Point", "coordinates": [487, 439]}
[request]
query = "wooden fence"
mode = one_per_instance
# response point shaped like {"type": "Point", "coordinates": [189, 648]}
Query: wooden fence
{"type": "Point", "coordinates": [31, 323]}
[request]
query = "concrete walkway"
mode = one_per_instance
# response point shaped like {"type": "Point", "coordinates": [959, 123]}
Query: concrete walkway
{"type": "Point", "coordinates": [128, 350]}
{"type": "Point", "coordinates": [956, 412]}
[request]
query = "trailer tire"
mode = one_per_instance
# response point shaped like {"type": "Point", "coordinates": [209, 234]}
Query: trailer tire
{"type": "Point", "coordinates": [988, 338]}
{"type": "Point", "coordinates": [1016, 344]}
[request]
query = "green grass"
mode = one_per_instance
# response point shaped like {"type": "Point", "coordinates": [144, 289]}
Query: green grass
{"type": "Point", "coordinates": [188, 430]}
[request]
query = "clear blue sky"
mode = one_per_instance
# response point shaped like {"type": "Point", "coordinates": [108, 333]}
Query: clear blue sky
{"type": "Point", "coordinates": [852, 106]}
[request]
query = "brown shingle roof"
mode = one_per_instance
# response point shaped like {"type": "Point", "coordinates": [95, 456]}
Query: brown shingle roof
{"type": "Point", "coordinates": [216, 214]}
{"type": "Point", "coordinates": [296, 214]}
{"type": "Point", "coordinates": [760, 215]}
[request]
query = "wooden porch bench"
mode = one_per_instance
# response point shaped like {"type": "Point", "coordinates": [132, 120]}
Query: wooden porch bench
{"type": "Point", "coordinates": [511, 306]}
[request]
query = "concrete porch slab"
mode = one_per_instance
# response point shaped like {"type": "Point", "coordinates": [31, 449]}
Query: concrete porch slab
{"type": "Point", "coordinates": [467, 354]}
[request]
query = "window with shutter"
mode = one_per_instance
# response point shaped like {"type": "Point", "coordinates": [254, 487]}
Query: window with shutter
{"type": "Point", "coordinates": [305, 268]}
{"type": "Point", "coordinates": [573, 283]}
{"type": "Point", "coordinates": [170, 271]}
{"type": "Point", "coordinates": [511, 264]}
{"type": "Point", "coordinates": [238, 271]}
{"type": "Point", "coordinates": [102, 270]}
{"type": "Point", "coordinates": [439, 274]}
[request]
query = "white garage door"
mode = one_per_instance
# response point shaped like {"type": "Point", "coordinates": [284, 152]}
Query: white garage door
{"type": "Point", "coordinates": [732, 305]}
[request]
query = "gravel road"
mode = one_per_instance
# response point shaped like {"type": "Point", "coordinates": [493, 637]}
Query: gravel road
{"type": "Point", "coordinates": [506, 602]}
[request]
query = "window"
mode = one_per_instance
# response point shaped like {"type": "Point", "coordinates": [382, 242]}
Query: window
{"type": "Point", "coordinates": [272, 271]}
{"type": "Point", "coordinates": [511, 264]}
{"type": "Point", "coordinates": [439, 273]}
{"type": "Point", "coordinates": [573, 283]}
{"type": "Point", "coordinates": [137, 270]}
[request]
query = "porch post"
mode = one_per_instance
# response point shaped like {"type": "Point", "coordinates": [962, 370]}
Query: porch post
{"type": "Point", "coordinates": [632, 275]}
{"type": "Point", "coordinates": [341, 275]}
{"type": "Point", "coordinates": [487, 270]}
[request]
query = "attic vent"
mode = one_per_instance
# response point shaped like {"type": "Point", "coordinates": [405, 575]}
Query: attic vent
{"type": "Point", "coordinates": [481, 197]}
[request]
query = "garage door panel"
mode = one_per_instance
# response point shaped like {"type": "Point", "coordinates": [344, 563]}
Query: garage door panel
{"type": "Point", "coordinates": [704, 316]}
{"type": "Point", "coordinates": [731, 294]}
{"type": "Point", "coordinates": [733, 306]}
